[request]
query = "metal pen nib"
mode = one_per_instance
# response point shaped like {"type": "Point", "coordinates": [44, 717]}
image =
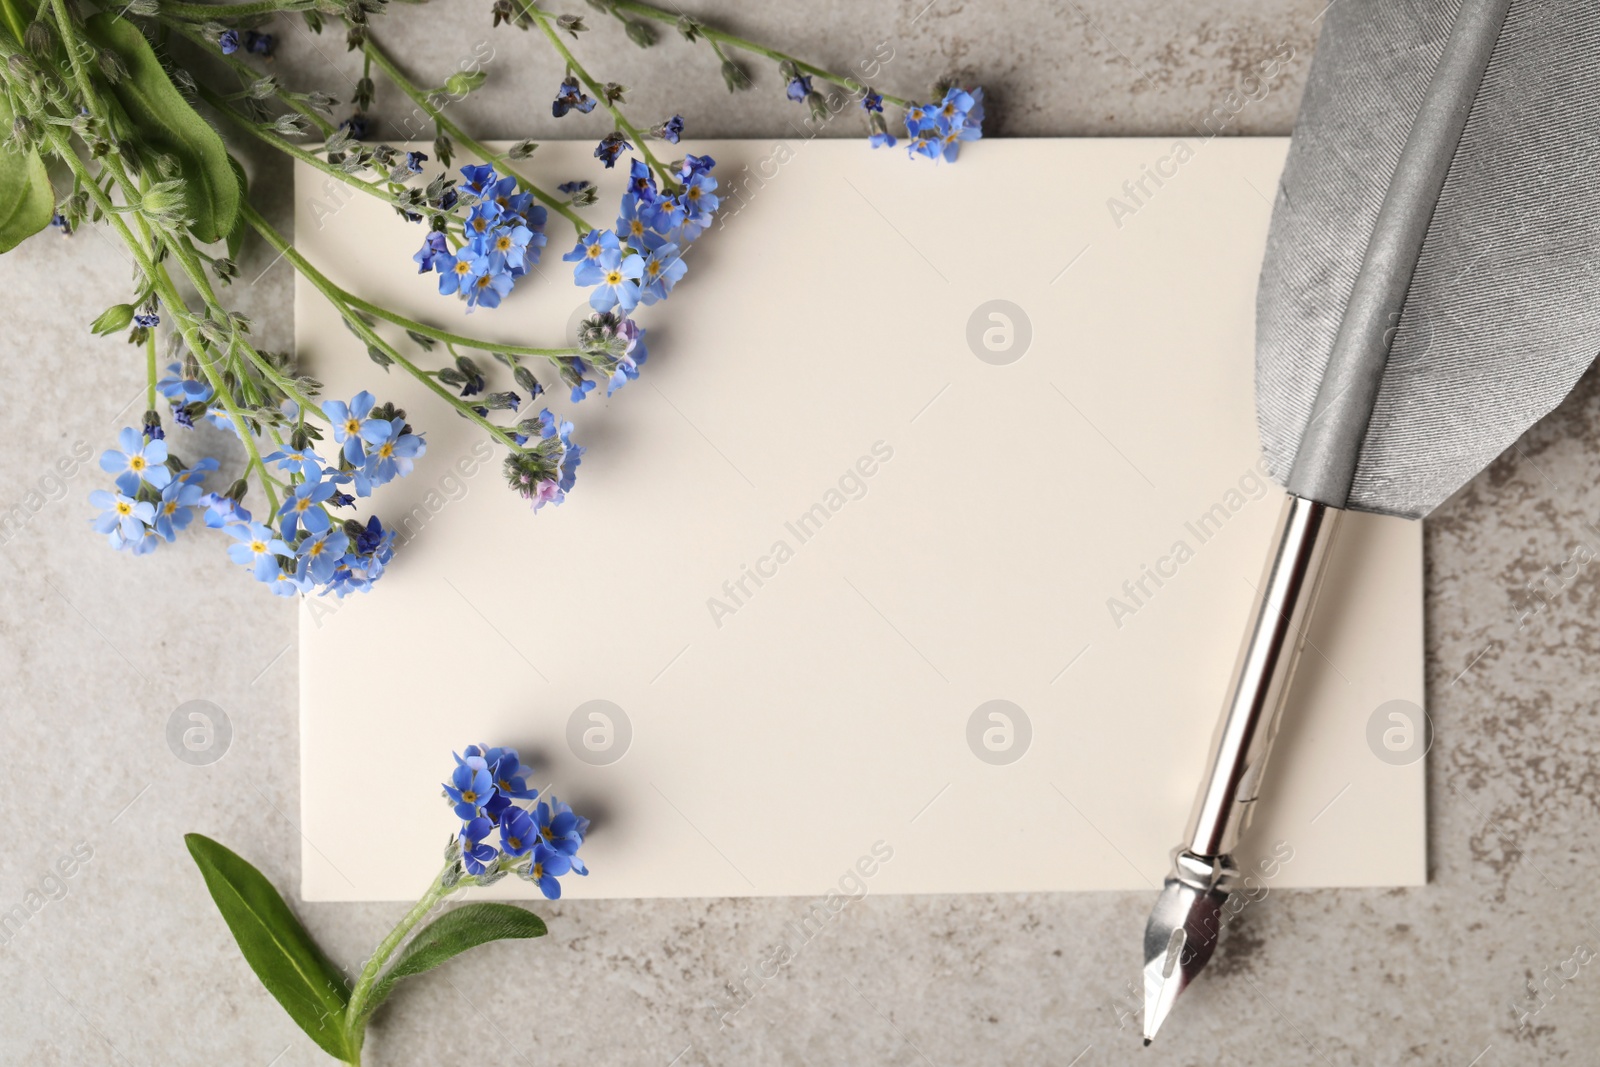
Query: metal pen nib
{"type": "Point", "coordinates": [1182, 932]}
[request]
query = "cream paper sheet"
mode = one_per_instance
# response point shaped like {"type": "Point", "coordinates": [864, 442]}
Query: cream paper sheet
{"type": "Point", "coordinates": [917, 559]}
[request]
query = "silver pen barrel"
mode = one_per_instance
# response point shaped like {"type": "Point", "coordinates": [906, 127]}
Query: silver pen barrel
{"type": "Point", "coordinates": [1261, 677]}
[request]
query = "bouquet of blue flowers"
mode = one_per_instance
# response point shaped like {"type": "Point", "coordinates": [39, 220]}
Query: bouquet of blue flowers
{"type": "Point", "coordinates": [106, 127]}
{"type": "Point", "coordinates": [108, 111]}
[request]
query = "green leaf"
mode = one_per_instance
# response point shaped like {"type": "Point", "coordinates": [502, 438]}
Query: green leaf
{"type": "Point", "coordinates": [167, 124]}
{"type": "Point", "coordinates": [452, 934]}
{"type": "Point", "coordinates": [26, 200]}
{"type": "Point", "coordinates": [236, 234]}
{"type": "Point", "coordinates": [276, 946]}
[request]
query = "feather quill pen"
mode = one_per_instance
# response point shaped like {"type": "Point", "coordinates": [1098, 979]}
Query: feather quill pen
{"type": "Point", "coordinates": [1431, 288]}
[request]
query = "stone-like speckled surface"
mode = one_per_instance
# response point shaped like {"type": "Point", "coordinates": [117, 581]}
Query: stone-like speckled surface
{"type": "Point", "coordinates": [125, 962]}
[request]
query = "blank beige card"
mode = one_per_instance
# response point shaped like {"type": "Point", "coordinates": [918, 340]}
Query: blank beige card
{"type": "Point", "coordinates": [923, 546]}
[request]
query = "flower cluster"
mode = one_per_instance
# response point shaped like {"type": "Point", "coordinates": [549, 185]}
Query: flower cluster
{"type": "Point", "coordinates": [500, 238]}
{"type": "Point", "coordinates": [538, 843]}
{"type": "Point", "coordinates": [936, 130]}
{"type": "Point", "coordinates": [544, 473]}
{"type": "Point", "coordinates": [156, 493]}
{"type": "Point", "coordinates": [302, 548]}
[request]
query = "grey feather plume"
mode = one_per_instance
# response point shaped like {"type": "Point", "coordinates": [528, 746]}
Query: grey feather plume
{"type": "Point", "coordinates": [1385, 379]}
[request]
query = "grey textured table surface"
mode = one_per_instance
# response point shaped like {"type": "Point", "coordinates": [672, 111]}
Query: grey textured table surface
{"type": "Point", "coordinates": [126, 962]}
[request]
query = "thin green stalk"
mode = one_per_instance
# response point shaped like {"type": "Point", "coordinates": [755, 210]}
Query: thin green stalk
{"type": "Point", "coordinates": [449, 338]}
{"type": "Point", "coordinates": [335, 296]}
{"type": "Point", "coordinates": [291, 149]}
{"type": "Point", "coordinates": [245, 70]}
{"type": "Point", "coordinates": [368, 978]}
{"type": "Point", "coordinates": [668, 178]}
{"type": "Point", "coordinates": [716, 36]}
{"type": "Point", "coordinates": [420, 98]}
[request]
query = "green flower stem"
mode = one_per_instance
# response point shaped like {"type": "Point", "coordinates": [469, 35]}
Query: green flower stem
{"type": "Point", "coordinates": [245, 70]}
{"type": "Point", "coordinates": [716, 36]}
{"type": "Point", "coordinates": [668, 178]}
{"type": "Point", "coordinates": [335, 296]}
{"type": "Point", "coordinates": [70, 41]}
{"type": "Point", "coordinates": [290, 149]}
{"type": "Point", "coordinates": [355, 1014]}
{"type": "Point", "coordinates": [419, 97]}
{"type": "Point", "coordinates": [449, 338]}
{"type": "Point", "coordinates": [220, 12]}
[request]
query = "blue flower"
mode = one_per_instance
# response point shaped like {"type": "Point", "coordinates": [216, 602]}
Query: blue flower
{"type": "Point", "coordinates": [938, 130]}
{"type": "Point", "coordinates": [547, 865]}
{"type": "Point", "coordinates": [357, 126]}
{"type": "Point", "coordinates": [559, 827]}
{"type": "Point", "coordinates": [881, 139]}
{"type": "Point", "coordinates": [301, 461]}
{"type": "Point", "coordinates": [392, 454]}
{"type": "Point", "coordinates": [508, 247]}
{"type": "Point", "coordinates": [589, 253]}
{"type": "Point", "coordinates": [176, 509]}
{"type": "Point", "coordinates": [569, 188]}
{"type": "Point", "coordinates": [518, 834]}
{"type": "Point", "coordinates": [260, 44]}
{"type": "Point", "coordinates": [672, 129]}
{"type": "Point", "coordinates": [871, 101]}
{"type": "Point", "coordinates": [433, 246]}
{"type": "Point", "coordinates": [228, 41]}
{"type": "Point", "coordinates": [258, 548]}
{"type": "Point", "coordinates": [663, 268]}
{"type": "Point", "coordinates": [223, 511]}
{"type": "Point", "coordinates": [570, 98]}
{"type": "Point", "coordinates": [460, 272]}
{"type": "Point", "coordinates": [799, 87]}
{"type": "Point", "coordinates": [479, 177]}
{"type": "Point", "coordinates": [669, 215]}
{"type": "Point", "coordinates": [302, 508]}
{"type": "Point", "coordinates": [415, 160]}
{"type": "Point", "coordinates": [489, 287]}
{"type": "Point", "coordinates": [148, 322]}
{"type": "Point", "coordinates": [693, 164]}
{"type": "Point", "coordinates": [619, 281]}
{"type": "Point", "coordinates": [470, 787]}
{"type": "Point", "coordinates": [630, 359]}
{"type": "Point", "coordinates": [351, 426]}
{"type": "Point", "coordinates": [641, 183]}
{"type": "Point", "coordinates": [699, 202]}
{"type": "Point", "coordinates": [476, 855]}
{"type": "Point", "coordinates": [610, 147]}
{"type": "Point", "coordinates": [146, 460]}
{"type": "Point", "coordinates": [634, 228]}
{"type": "Point", "coordinates": [320, 554]}
{"type": "Point", "coordinates": [484, 216]}
{"type": "Point", "coordinates": [121, 515]}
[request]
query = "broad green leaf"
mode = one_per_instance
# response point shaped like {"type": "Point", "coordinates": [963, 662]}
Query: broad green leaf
{"type": "Point", "coordinates": [26, 200]}
{"type": "Point", "coordinates": [276, 946]}
{"type": "Point", "coordinates": [452, 934]}
{"type": "Point", "coordinates": [236, 235]}
{"type": "Point", "coordinates": [167, 124]}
